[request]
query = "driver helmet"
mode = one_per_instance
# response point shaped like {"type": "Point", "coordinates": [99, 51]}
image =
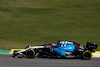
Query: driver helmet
{"type": "Point", "coordinates": [53, 44]}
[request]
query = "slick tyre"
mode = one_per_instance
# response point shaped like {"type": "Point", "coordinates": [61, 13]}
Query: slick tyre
{"type": "Point", "coordinates": [30, 53]}
{"type": "Point", "coordinates": [86, 55]}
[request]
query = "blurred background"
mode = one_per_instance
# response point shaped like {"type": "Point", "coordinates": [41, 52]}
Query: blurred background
{"type": "Point", "coordinates": [36, 22]}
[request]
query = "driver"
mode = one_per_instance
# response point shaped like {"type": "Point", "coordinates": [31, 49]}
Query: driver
{"type": "Point", "coordinates": [53, 44]}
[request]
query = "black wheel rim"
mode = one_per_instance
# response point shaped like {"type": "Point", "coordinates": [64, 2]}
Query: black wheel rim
{"type": "Point", "coordinates": [30, 53]}
{"type": "Point", "coordinates": [87, 55]}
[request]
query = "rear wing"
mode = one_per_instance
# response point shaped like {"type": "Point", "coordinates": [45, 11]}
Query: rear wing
{"type": "Point", "coordinates": [91, 45]}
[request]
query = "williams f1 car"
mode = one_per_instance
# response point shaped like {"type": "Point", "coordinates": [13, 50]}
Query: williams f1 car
{"type": "Point", "coordinates": [61, 49]}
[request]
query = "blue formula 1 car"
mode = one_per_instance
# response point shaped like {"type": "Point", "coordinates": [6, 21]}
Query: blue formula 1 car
{"type": "Point", "coordinates": [67, 48]}
{"type": "Point", "coordinates": [61, 49]}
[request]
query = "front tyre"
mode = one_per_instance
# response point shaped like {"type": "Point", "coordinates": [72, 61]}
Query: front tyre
{"type": "Point", "coordinates": [30, 53]}
{"type": "Point", "coordinates": [86, 55]}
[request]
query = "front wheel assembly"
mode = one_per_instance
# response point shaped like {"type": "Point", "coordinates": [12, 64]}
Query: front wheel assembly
{"type": "Point", "coordinates": [30, 53]}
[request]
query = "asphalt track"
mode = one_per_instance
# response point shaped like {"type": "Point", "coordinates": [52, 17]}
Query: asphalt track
{"type": "Point", "coordinates": [7, 61]}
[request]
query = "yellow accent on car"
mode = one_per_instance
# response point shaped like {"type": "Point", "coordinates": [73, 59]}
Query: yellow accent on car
{"type": "Point", "coordinates": [16, 56]}
{"type": "Point", "coordinates": [12, 50]}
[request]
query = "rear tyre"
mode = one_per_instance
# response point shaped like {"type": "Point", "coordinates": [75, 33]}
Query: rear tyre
{"type": "Point", "coordinates": [30, 53]}
{"type": "Point", "coordinates": [86, 55]}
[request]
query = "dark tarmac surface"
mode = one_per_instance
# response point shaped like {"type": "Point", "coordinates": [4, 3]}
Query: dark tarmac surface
{"type": "Point", "coordinates": [8, 61]}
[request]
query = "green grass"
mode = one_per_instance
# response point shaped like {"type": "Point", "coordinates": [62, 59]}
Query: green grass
{"type": "Point", "coordinates": [35, 22]}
